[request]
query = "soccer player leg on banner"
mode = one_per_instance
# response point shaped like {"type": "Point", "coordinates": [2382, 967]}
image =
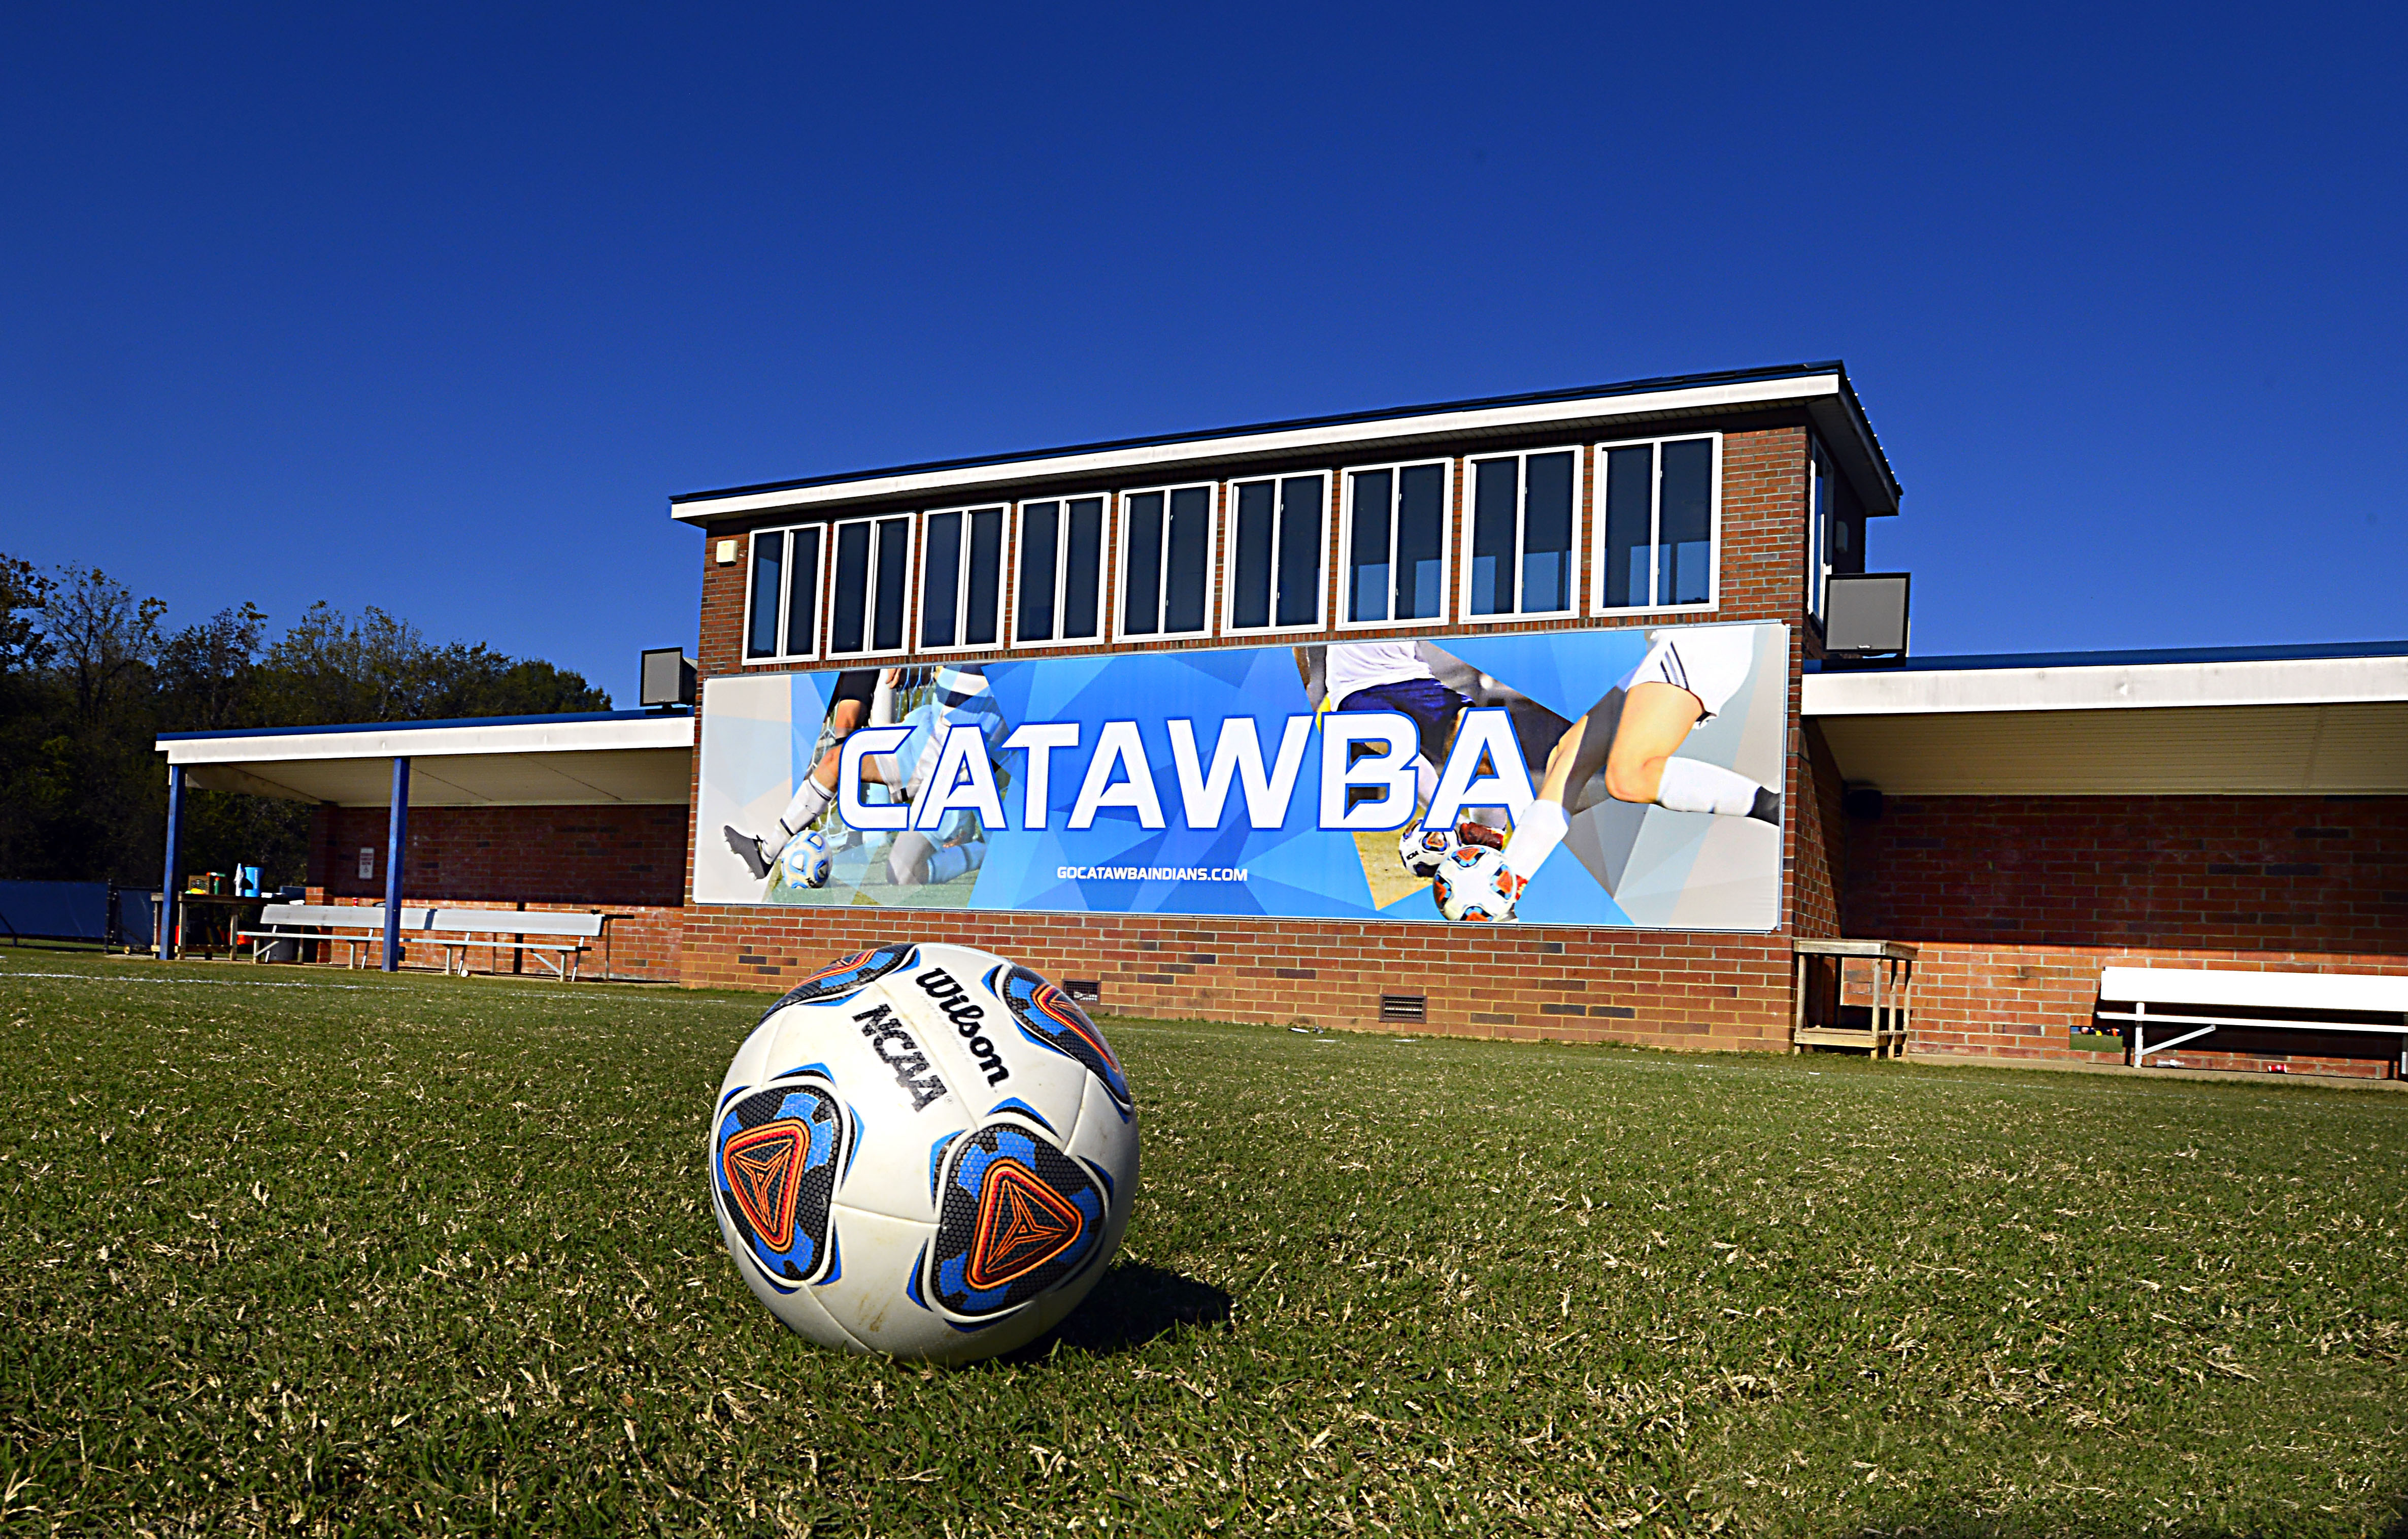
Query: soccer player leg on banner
{"type": "Point", "coordinates": [960, 698]}
{"type": "Point", "coordinates": [856, 689]}
{"type": "Point", "coordinates": [1623, 747]}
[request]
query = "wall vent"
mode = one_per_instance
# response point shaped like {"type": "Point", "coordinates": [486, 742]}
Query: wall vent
{"type": "Point", "coordinates": [1413, 1008]}
{"type": "Point", "coordinates": [1084, 990]}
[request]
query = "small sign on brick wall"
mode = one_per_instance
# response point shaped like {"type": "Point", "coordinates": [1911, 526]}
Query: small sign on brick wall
{"type": "Point", "coordinates": [368, 861]}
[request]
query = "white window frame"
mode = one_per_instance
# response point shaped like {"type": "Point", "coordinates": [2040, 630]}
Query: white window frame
{"type": "Point", "coordinates": [1655, 526]}
{"type": "Point", "coordinates": [1447, 532]}
{"type": "Point", "coordinates": [786, 593]}
{"type": "Point", "coordinates": [1467, 520]}
{"type": "Point", "coordinates": [1819, 525]}
{"type": "Point", "coordinates": [870, 601]}
{"type": "Point", "coordinates": [961, 587]}
{"type": "Point", "coordinates": [1062, 575]}
{"type": "Point", "coordinates": [1279, 513]}
{"type": "Point", "coordinates": [1121, 566]}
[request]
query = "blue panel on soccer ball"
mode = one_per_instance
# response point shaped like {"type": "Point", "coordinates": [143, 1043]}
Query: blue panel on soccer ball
{"type": "Point", "coordinates": [774, 1163]}
{"type": "Point", "coordinates": [1016, 1217]}
{"type": "Point", "coordinates": [1051, 1019]}
{"type": "Point", "coordinates": [845, 976]}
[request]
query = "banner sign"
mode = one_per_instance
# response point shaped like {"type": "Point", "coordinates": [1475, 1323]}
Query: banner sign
{"type": "Point", "coordinates": [1633, 776]}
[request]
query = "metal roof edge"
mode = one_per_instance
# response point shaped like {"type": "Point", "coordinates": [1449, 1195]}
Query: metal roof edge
{"type": "Point", "coordinates": [559, 719]}
{"type": "Point", "coordinates": [1628, 387]}
{"type": "Point", "coordinates": [1972, 662]}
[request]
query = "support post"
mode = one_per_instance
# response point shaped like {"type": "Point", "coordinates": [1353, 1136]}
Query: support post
{"type": "Point", "coordinates": [163, 917]}
{"type": "Point", "coordinates": [397, 841]}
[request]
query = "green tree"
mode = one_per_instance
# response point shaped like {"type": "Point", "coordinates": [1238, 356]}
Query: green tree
{"type": "Point", "coordinates": [89, 676]}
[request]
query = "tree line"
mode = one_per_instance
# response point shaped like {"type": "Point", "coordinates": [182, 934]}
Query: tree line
{"type": "Point", "coordinates": [89, 675]}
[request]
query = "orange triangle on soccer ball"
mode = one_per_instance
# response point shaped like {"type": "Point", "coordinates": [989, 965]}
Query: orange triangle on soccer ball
{"type": "Point", "coordinates": [1022, 1223]}
{"type": "Point", "coordinates": [763, 1166]}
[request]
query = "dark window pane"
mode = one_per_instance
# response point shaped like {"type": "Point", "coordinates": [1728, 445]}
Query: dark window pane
{"type": "Point", "coordinates": [941, 582]}
{"type": "Point", "coordinates": [1083, 566]}
{"type": "Point", "coordinates": [1421, 541]}
{"type": "Point", "coordinates": [1299, 551]}
{"type": "Point", "coordinates": [769, 559]}
{"type": "Point", "coordinates": [1547, 533]}
{"type": "Point", "coordinates": [1040, 545]}
{"type": "Point", "coordinates": [1250, 588]}
{"type": "Point", "coordinates": [849, 588]}
{"type": "Point", "coordinates": [986, 577]}
{"type": "Point", "coordinates": [1141, 613]}
{"type": "Point", "coordinates": [1630, 495]}
{"type": "Point", "coordinates": [1367, 547]}
{"type": "Point", "coordinates": [1190, 560]}
{"type": "Point", "coordinates": [1685, 522]}
{"type": "Point", "coordinates": [894, 579]}
{"type": "Point", "coordinates": [1493, 488]}
{"type": "Point", "coordinates": [803, 593]}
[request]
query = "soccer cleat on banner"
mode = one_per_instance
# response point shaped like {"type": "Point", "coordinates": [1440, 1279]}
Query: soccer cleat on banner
{"type": "Point", "coordinates": [750, 850]}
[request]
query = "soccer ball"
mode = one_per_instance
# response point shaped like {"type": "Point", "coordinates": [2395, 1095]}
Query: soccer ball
{"type": "Point", "coordinates": [1423, 849]}
{"type": "Point", "coordinates": [804, 862]}
{"type": "Point", "coordinates": [1474, 883]}
{"type": "Point", "coordinates": [924, 1151]}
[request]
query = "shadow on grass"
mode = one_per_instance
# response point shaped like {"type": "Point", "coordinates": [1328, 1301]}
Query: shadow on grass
{"type": "Point", "coordinates": [1966, 1525]}
{"type": "Point", "coordinates": [1134, 1303]}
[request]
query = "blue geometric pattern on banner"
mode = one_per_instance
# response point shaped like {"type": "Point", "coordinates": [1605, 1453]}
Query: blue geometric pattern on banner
{"type": "Point", "coordinates": [1623, 866]}
{"type": "Point", "coordinates": [1539, 665]}
{"type": "Point", "coordinates": [810, 710]}
{"type": "Point", "coordinates": [1295, 870]}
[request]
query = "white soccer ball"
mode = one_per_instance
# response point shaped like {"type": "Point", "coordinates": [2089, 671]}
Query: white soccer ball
{"type": "Point", "coordinates": [1422, 849]}
{"type": "Point", "coordinates": [1471, 883]}
{"type": "Point", "coordinates": [924, 1151]}
{"type": "Point", "coordinates": [804, 861]}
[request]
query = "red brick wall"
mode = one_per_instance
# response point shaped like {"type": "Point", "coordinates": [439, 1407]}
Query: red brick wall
{"type": "Point", "coordinates": [1690, 991]}
{"type": "Point", "coordinates": [628, 861]}
{"type": "Point", "coordinates": [2018, 901]}
{"type": "Point", "coordinates": [1671, 990]}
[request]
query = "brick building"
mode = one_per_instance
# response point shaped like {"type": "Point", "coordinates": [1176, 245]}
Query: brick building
{"type": "Point", "coordinates": [2020, 820]}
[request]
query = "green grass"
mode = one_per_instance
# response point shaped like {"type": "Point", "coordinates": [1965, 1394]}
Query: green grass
{"type": "Point", "coordinates": [361, 1254]}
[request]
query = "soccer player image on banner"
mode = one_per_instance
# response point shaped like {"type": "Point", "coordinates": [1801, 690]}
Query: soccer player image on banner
{"type": "Point", "coordinates": [954, 698]}
{"type": "Point", "coordinates": [932, 701]}
{"type": "Point", "coordinates": [858, 692]}
{"type": "Point", "coordinates": [1624, 748]}
{"type": "Point", "coordinates": [1432, 687]}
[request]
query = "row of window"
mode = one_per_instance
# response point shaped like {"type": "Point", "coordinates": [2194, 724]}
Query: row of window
{"type": "Point", "coordinates": [1653, 522]}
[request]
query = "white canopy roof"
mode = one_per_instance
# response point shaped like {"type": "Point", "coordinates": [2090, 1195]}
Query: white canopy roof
{"type": "Point", "coordinates": [2237, 725]}
{"type": "Point", "coordinates": [524, 761]}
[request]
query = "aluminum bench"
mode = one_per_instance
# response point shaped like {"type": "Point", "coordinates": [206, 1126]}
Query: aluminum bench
{"type": "Point", "coordinates": [2193, 1003]}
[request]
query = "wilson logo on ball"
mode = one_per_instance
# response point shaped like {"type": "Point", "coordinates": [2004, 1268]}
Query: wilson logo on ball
{"type": "Point", "coordinates": [946, 993]}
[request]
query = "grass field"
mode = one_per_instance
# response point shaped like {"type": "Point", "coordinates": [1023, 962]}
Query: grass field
{"type": "Point", "coordinates": [299, 1251]}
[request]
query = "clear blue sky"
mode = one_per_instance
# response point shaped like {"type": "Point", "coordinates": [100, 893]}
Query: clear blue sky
{"type": "Point", "coordinates": [432, 308]}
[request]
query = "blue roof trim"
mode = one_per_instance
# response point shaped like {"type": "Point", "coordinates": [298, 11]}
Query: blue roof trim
{"type": "Point", "coordinates": [1536, 397]}
{"type": "Point", "coordinates": [560, 719]}
{"type": "Point", "coordinates": [2292, 653]}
